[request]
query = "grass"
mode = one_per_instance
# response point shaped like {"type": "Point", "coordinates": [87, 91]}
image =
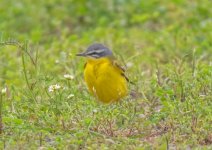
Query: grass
{"type": "Point", "coordinates": [166, 46]}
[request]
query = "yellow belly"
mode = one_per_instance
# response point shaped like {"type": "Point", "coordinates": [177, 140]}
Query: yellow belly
{"type": "Point", "coordinates": [104, 80]}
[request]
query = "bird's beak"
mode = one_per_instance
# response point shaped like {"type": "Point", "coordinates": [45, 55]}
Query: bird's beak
{"type": "Point", "coordinates": [81, 54]}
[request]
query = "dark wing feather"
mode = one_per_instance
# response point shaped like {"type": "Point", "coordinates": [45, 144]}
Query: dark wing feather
{"type": "Point", "coordinates": [122, 69]}
{"type": "Point", "coordinates": [85, 65]}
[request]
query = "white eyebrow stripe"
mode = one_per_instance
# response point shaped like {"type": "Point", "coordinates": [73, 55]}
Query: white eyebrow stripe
{"type": "Point", "coordinates": [91, 52]}
{"type": "Point", "coordinates": [99, 50]}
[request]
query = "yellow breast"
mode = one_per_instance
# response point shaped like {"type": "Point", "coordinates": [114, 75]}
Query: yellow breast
{"type": "Point", "coordinates": [105, 80]}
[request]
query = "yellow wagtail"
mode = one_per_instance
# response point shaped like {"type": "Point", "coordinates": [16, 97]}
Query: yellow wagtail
{"type": "Point", "coordinates": [104, 77]}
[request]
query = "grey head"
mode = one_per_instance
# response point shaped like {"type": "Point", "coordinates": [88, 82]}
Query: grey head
{"type": "Point", "coordinates": [96, 51]}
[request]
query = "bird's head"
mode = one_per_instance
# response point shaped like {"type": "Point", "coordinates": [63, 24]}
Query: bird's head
{"type": "Point", "coordinates": [96, 51]}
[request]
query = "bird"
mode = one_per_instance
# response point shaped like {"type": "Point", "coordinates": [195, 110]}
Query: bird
{"type": "Point", "coordinates": [105, 78]}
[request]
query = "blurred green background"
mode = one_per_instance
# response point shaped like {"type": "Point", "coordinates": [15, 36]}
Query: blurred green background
{"type": "Point", "coordinates": [166, 46]}
{"type": "Point", "coordinates": [159, 30]}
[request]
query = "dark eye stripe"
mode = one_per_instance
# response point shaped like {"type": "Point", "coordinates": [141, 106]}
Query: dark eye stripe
{"type": "Point", "coordinates": [90, 53]}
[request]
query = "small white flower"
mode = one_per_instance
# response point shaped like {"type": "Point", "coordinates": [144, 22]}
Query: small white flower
{"type": "Point", "coordinates": [53, 88]}
{"type": "Point", "coordinates": [69, 77]}
{"type": "Point", "coordinates": [95, 111]}
{"type": "Point", "coordinates": [202, 95]}
{"type": "Point", "coordinates": [129, 64]}
{"type": "Point", "coordinates": [70, 96]}
{"type": "Point", "coordinates": [57, 61]}
{"type": "Point", "coordinates": [4, 90]}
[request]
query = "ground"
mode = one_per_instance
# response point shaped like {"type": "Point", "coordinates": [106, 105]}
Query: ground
{"type": "Point", "coordinates": [165, 46]}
